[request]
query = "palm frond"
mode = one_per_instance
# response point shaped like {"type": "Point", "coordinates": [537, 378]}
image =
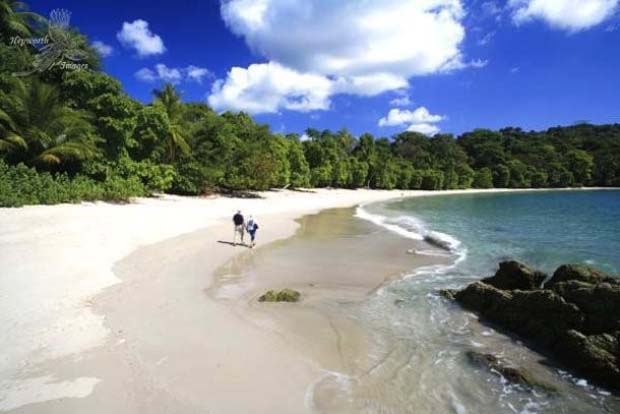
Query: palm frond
{"type": "Point", "coordinates": [79, 151]}
{"type": "Point", "coordinates": [19, 27]}
{"type": "Point", "coordinates": [12, 142]}
{"type": "Point", "coordinates": [178, 139]}
{"type": "Point", "coordinates": [17, 141]}
{"type": "Point", "coordinates": [6, 119]}
{"type": "Point", "coordinates": [49, 158]}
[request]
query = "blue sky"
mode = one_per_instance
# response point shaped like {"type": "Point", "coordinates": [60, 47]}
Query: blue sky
{"type": "Point", "coordinates": [379, 66]}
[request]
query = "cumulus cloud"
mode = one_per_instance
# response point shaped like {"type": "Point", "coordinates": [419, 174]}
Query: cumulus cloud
{"type": "Point", "coordinates": [104, 50]}
{"type": "Point", "coordinates": [403, 98]}
{"type": "Point", "coordinates": [354, 47]}
{"type": "Point", "coordinates": [418, 120]}
{"type": "Point", "coordinates": [137, 35]}
{"type": "Point", "coordinates": [351, 37]}
{"type": "Point", "coordinates": [196, 74]}
{"type": "Point", "coordinates": [269, 87]}
{"type": "Point", "coordinates": [398, 117]}
{"type": "Point", "coordinates": [426, 129]}
{"type": "Point", "coordinates": [368, 85]}
{"type": "Point", "coordinates": [571, 15]}
{"type": "Point", "coordinates": [164, 73]}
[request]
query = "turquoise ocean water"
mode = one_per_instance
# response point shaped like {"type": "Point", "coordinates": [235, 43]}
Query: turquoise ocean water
{"type": "Point", "coordinates": [544, 229]}
{"type": "Point", "coordinates": [420, 339]}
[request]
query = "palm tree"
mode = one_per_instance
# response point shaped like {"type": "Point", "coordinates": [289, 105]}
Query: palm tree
{"type": "Point", "coordinates": [35, 127]}
{"type": "Point", "coordinates": [170, 100]}
{"type": "Point", "coordinates": [9, 140]}
{"type": "Point", "coordinates": [16, 20]}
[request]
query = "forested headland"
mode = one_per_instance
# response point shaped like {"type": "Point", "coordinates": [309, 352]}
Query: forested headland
{"type": "Point", "coordinates": [70, 133]}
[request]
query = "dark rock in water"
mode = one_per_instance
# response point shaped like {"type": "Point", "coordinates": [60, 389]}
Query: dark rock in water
{"type": "Point", "coordinates": [448, 293]}
{"type": "Point", "coordinates": [579, 273]}
{"type": "Point", "coordinates": [509, 373]}
{"type": "Point", "coordinates": [590, 356]}
{"type": "Point", "coordinates": [437, 242]}
{"type": "Point", "coordinates": [516, 275]}
{"type": "Point", "coordinates": [600, 303]}
{"type": "Point", "coordinates": [539, 315]}
{"type": "Point", "coordinates": [285, 295]}
{"type": "Point", "coordinates": [575, 318]}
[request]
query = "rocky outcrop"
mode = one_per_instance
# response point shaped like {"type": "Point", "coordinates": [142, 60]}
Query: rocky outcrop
{"type": "Point", "coordinates": [285, 295]}
{"type": "Point", "coordinates": [575, 316]}
{"type": "Point", "coordinates": [515, 275]}
{"type": "Point", "coordinates": [575, 272]}
{"type": "Point", "coordinates": [510, 373]}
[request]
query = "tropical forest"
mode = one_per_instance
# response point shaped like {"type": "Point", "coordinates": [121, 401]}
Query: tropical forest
{"type": "Point", "coordinates": [70, 133]}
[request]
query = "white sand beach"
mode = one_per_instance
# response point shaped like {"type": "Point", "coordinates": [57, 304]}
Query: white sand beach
{"type": "Point", "coordinates": [62, 340]}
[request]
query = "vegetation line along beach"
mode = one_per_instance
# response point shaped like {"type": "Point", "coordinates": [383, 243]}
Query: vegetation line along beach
{"type": "Point", "coordinates": [75, 135]}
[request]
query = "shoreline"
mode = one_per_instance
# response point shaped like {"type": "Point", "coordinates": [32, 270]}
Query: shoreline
{"type": "Point", "coordinates": [75, 232]}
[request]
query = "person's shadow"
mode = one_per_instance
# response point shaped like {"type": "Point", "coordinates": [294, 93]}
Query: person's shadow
{"type": "Point", "coordinates": [233, 244]}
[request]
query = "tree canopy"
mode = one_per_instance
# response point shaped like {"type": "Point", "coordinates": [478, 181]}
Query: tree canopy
{"type": "Point", "coordinates": [75, 128]}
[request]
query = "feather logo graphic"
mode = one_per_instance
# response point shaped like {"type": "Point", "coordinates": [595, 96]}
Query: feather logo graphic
{"type": "Point", "coordinates": [62, 49]}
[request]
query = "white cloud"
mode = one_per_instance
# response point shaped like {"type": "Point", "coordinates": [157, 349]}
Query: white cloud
{"type": "Point", "coordinates": [403, 99]}
{"type": "Point", "coordinates": [138, 36]}
{"type": "Point", "coordinates": [196, 74]}
{"type": "Point", "coordinates": [478, 63]}
{"type": "Point", "coordinates": [351, 37]}
{"type": "Point", "coordinates": [369, 85]}
{"type": "Point", "coordinates": [426, 129]}
{"type": "Point", "coordinates": [104, 50]}
{"type": "Point", "coordinates": [164, 73]}
{"type": "Point", "coordinates": [361, 47]}
{"type": "Point", "coordinates": [398, 117]}
{"type": "Point", "coordinates": [146, 75]}
{"type": "Point", "coordinates": [347, 46]}
{"type": "Point", "coordinates": [269, 87]}
{"type": "Point", "coordinates": [571, 15]}
{"type": "Point", "coordinates": [419, 120]}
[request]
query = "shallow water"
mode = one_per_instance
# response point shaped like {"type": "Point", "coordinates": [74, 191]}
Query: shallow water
{"type": "Point", "coordinates": [410, 356]}
{"type": "Point", "coordinates": [420, 346]}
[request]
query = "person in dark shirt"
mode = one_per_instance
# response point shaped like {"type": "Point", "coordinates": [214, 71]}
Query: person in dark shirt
{"type": "Point", "coordinates": [251, 228]}
{"type": "Point", "coordinates": [239, 223]}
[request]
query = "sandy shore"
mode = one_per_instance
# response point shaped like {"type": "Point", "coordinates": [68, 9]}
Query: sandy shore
{"type": "Point", "coordinates": [67, 348]}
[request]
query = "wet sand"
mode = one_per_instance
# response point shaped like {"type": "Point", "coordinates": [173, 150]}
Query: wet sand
{"type": "Point", "coordinates": [336, 261]}
{"type": "Point", "coordinates": [189, 336]}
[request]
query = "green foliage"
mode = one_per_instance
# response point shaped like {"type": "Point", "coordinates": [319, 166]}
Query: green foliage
{"type": "Point", "coordinates": [501, 176]}
{"type": "Point", "coordinates": [300, 170]}
{"type": "Point", "coordinates": [483, 178]}
{"type": "Point", "coordinates": [38, 129]}
{"type": "Point", "coordinates": [432, 180]}
{"type": "Point", "coordinates": [176, 141]}
{"type": "Point", "coordinates": [119, 189]}
{"type": "Point", "coordinates": [16, 20]}
{"type": "Point", "coordinates": [71, 135]}
{"type": "Point", "coordinates": [192, 178]}
{"type": "Point", "coordinates": [21, 185]}
{"type": "Point", "coordinates": [580, 164]}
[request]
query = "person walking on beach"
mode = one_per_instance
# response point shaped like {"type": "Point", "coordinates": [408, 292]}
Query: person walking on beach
{"type": "Point", "coordinates": [251, 228]}
{"type": "Point", "coordinates": [239, 223]}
